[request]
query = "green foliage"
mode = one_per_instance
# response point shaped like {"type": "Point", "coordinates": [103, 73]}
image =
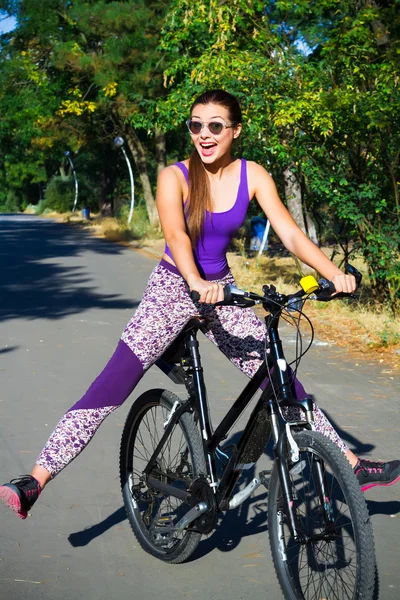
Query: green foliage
{"type": "Point", "coordinates": [59, 196]}
{"type": "Point", "coordinates": [10, 202]}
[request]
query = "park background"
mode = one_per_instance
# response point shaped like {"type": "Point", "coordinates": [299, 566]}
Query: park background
{"type": "Point", "coordinates": [319, 86]}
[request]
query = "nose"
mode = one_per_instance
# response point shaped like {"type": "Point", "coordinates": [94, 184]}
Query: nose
{"type": "Point", "coordinates": [205, 132]}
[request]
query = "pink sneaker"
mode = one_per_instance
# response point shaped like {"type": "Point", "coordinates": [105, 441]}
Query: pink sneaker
{"type": "Point", "coordinates": [20, 494]}
{"type": "Point", "coordinates": [370, 473]}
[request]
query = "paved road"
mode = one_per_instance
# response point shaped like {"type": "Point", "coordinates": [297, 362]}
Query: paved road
{"type": "Point", "coordinates": [64, 299]}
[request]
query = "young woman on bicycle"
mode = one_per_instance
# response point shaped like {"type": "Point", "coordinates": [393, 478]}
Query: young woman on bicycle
{"type": "Point", "coordinates": [202, 202]}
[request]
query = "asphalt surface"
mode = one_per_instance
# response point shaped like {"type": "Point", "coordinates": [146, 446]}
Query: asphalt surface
{"type": "Point", "coordinates": [64, 300]}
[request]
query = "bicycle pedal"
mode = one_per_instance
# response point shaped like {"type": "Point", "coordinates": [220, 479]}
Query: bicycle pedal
{"type": "Point", "coordinates": [264, 477]}
{"type": "Point", "coordinates": [163, 522]}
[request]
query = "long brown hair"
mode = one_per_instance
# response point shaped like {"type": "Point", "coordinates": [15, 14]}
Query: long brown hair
{"type": "Point", "coordinates": [199, 199]}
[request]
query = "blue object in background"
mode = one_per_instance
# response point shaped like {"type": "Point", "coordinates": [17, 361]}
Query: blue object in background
{"type": "Point", "coordinates": [257, 228]}
{"type": "Point", "coordinates": [86, 213]}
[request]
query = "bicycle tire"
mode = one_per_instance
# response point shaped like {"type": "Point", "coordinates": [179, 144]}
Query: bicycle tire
{"type": "Point", "coordinates": [146, 507]}
{"type": "Point", "coordinates": [323, 568]}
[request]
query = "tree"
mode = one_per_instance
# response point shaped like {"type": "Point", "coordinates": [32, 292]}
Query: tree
{"type": "Point", "coordinates": [352, 76]}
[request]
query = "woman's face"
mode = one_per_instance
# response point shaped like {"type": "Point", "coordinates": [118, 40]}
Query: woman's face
{"type": "Point", "coordinates": [212, 147]}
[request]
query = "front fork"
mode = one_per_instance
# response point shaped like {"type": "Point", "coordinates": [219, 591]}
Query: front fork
{"type": "Point", "coordinates": [286, 446]}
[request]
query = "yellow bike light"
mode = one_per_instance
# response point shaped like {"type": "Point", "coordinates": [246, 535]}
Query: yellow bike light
{"type": "Point", "coordinates": [309, 284]}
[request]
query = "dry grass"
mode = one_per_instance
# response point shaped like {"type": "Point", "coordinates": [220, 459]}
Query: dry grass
{"type": "Point", "coordinates": [111, 229]}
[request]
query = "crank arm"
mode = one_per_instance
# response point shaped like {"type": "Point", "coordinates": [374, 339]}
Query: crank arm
{"type": "Point", "coordinates": [193, 514]}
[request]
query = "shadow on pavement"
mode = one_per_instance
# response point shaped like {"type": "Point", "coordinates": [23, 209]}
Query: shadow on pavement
{"type": "Point", "coordinates": [34, 281]}
{"type": "Point", "coordinates": [357, 446]}
{"type": "Point", "coordinates": [84, 537]}
{"type": "Point", "coordinates": [250, 518]}
{"type": "Point", "coordinates": [377, 507]}
{"type": "Point", "coordinates": [8, 349]}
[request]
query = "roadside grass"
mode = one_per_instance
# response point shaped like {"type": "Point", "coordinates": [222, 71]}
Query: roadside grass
{"type": "Point", "coordinates": [361, 327]}
{"type": "Point", "coordinates": [139, 232]}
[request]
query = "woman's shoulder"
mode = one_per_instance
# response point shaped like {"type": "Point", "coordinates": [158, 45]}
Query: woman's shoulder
{"type": "Point", "coordinates": [258, 177]}
{"type": "Point", "coordinates": [178, 168]}
{"type": "Point", "coordinates": [254, 167]}
{"type": "Point", "coordinates": [174, 177]}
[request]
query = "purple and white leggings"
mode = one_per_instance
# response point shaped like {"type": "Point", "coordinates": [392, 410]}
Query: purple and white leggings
{"type": "Point", "coordinates": [163, 312]}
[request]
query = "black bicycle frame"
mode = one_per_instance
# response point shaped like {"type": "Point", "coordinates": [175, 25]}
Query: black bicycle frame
{"type": "Point", "coordinates": [277, 391]}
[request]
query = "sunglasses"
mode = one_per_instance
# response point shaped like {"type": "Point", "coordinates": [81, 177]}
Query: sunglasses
{"type": "Point", "coordinates": [214, 127]}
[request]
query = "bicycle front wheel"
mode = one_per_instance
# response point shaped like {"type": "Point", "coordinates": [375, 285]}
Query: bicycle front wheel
{"type": "Point", "coordinates": [335, 559]}
{"type": "Point", "coordinates": [180, 461]}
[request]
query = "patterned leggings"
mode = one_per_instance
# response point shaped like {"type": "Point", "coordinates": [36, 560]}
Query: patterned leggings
{"type": "Point", "coordinates": [163, 312]}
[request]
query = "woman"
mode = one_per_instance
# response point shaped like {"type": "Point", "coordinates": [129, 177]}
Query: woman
{"type": "Point", "coordinates": [202, 202]}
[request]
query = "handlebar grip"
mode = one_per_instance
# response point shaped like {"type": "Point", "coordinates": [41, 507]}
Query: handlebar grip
{"type": "Point", "coordinates": [331, 288]}
{"type": "Point", "coordinates": [326, 289]}
{"type": "Point", "coordinates": [195, 296]}
{"type": "Point", "coordinates": [227, 294]}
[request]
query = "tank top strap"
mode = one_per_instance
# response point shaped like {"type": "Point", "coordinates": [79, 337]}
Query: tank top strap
{"type": "Point", "coordinates": [184, 170]}
{"type": "Point", "coordinates": [243, 192]}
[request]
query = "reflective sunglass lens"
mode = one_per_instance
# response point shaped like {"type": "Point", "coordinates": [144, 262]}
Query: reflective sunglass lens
{"type": "Point", "coordinates": [216, 127]}
{"type": "Point", "coordinates": [195, 126]}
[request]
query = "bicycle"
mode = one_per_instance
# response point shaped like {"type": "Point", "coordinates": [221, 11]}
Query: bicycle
{"type": "Point", "coordinates": [175, 487]}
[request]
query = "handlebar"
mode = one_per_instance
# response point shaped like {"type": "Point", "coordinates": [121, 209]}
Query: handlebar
{"type": "Point", "coordinates": [271, 298]}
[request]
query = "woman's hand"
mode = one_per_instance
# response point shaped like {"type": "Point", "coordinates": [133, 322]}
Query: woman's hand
{"type": "Point", "coordinates": [210, 292]}
{"type": "Point", "coordinates": [344, 283]}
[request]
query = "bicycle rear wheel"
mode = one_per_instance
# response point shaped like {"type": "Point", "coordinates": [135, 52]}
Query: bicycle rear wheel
{"type": "Point", "coordinates": [337, 562]}
{"type": "Point", "coordinates": [180, 461]}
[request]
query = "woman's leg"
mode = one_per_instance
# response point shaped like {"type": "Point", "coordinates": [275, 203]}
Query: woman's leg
{"type": "Point", "coordinates": [164, 310]}
{"type": "Point", "coordinates": [77, 427]}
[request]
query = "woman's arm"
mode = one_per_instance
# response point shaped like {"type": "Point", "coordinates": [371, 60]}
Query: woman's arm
{"type": "Point", "coordinates": [170, 209]}
{"type": "Point", "coordinates": [263, 187]}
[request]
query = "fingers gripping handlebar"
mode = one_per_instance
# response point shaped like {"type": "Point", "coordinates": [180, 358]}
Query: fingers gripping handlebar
{"type": "Point", "coordinates": [327, 288]}
{"type": "Point", "coordinates": [232, 296]}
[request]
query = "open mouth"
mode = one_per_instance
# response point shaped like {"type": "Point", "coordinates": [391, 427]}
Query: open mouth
{"type": "Point", "coordinates": [207, 148]}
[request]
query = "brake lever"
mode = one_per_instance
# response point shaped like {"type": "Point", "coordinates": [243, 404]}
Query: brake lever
{"type": "Point", "coordinates": [327, 298]}
{"type": "Point", "coordinates": [353, 271]}
{"type": "Point", "coordinates": [328, 288]}
{"type": "Point", "coordinates": [242, 303]}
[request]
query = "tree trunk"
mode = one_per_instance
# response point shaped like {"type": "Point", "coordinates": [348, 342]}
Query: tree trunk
{"type": "Point", "coordinates": [160, 150]}
{"type": "Point", "coordinates": [106, 195]}
{"type": "Point", "coordinates": [378, 28]}
{"type": "Point", "coordinates": [311, 228]}
{"type": "Point", "coordinates": [295, 207]}
{"type": "Point", "coordinates": [293, 198]}
{"type": "Point", "coordinates": [139, 156]}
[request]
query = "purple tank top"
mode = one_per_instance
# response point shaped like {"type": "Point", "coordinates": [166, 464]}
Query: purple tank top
{"type": "Point", "coordinates": [219, 229]}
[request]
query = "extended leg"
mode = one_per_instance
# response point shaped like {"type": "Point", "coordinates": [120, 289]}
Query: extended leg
{"type": "Point", "coordinates": [161, 315]}
{"type": "Point", "coordinates": [77, 427]}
